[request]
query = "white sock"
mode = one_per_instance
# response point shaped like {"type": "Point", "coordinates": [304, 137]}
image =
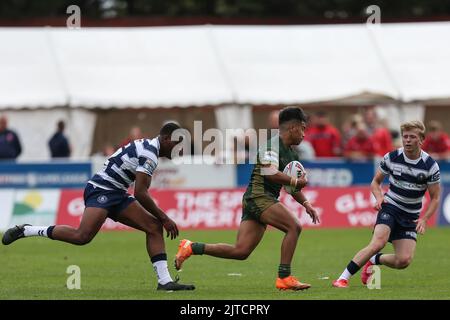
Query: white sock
{"type": "Point", "coordinates": [373, 259]}
{"type": "Point", "coordinates": [31, 231]}
{"type": "Point", "coordinates": [345, 275]}
{"type": "Point", "coordinates": [162, 272]}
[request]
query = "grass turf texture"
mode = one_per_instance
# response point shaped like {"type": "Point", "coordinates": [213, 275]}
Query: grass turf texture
{"type": "Point", "coordinates": [115, 265]}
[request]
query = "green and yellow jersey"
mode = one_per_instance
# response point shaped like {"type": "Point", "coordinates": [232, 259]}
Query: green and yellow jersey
{"type": "Point", "coordinates": [261, 193]}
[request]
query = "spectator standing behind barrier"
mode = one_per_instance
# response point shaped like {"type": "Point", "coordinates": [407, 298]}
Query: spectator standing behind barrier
{"type": "Point", "coordinates": [304, 150]}
{"type": "Point", "coordinates": [10, 147]}
{"type": "Point", "coordinates": [58, 143]}
{"type": "Point", "coordinates": [349, 127]}
{"type": "Point", "coordinates": [135, 134]}
{"type": "Point", "coordinates": [437, 142]}
{"type": "Point", "coordinates": [108, 149]}
{"type": "Point", "coordinates": [361, 145]}
{"type": "Point", "coordinates": [381, 135]}
{"type": "Point", "coordinates": [324, 138]}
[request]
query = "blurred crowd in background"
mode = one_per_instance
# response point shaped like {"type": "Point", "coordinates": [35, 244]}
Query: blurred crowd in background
{"type": "Point", "coordinates": [362, 137]}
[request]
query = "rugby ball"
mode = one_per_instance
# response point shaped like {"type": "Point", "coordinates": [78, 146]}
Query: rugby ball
{"type": "Point", "coordinates": [293, 169]}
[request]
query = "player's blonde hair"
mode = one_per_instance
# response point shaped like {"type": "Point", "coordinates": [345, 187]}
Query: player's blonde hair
{"type": "Point", "coordinates": [411, 125]}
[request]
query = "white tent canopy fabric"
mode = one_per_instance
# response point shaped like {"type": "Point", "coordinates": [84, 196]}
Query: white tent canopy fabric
{"type": "Point", "coordinates": [269, 65]}
{"type": "Point", "coordinates": [417, 56]}
{"type": "Point", "coordinates": [28, 73]}
{"type": "Point", "coordinates": [162, 67]}
{"type": "Point", "coordinates": [221, 65]}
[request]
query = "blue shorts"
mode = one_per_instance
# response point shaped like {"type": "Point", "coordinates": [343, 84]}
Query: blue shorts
{"type": "Point", "coordinates": [401, 228]}
{"type": "Point", "coordinates": [114, 201]}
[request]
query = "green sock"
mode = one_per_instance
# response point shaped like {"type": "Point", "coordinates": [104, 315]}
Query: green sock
{"type": "Point", "coordinates": [198, 248]}
{"type": "Point", "coordinates": [284, 270]}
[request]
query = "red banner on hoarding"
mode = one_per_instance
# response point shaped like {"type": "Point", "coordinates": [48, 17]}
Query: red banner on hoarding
{"type": "Point", "coordinates": [202, 209]}
{"type": "Point", "coordinates": [71, 208]}
{"type": "Point", "coordinates": [221, 208]}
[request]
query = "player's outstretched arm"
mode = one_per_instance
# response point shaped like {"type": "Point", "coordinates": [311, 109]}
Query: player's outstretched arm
{"type": "Point", "coordinates": [435, 192]}
{"type": "Point", "coordinates": [142, 184]}
{"type": "Point", "coordinates": [375, 187]}
{"type": "Point", "coordinates": [300, 198]}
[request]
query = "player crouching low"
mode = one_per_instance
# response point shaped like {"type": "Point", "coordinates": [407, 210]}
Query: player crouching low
{"type": "Point", "coordinates": [106, 196]}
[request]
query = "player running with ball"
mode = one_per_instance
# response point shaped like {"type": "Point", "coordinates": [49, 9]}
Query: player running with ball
{"type": "Point", "coordinates": [411, 173]}
{"type": "Point", "coordinates": [260, 205]}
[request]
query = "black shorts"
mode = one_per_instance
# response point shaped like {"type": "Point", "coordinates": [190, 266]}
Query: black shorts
{"type": "Point", "coordinates": [114, 201]}
{"type": "Point", "coordinates": [400, 228]}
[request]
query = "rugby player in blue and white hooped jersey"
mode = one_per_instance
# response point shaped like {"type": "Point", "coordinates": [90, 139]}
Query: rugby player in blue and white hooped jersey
{"type": "Point", "coordinates": [411, 173]}
{"type": "Point", "coordinates": [106, 195]}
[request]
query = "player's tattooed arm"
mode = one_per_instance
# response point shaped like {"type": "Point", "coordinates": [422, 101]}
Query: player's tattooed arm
{"type": "Point", "coordinates": [275, 176]}
{"type": "Point", "coordinates": [269, 169]}
{"type": "Point", "coordinates": [142, 184]}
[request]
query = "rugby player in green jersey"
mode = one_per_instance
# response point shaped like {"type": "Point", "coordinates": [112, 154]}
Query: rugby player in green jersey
{"type": "Point", "coordinates": [261, 207]}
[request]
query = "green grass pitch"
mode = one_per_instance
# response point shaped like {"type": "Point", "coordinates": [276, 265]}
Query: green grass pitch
{"type": "Point", "coordinates": [115, 265]}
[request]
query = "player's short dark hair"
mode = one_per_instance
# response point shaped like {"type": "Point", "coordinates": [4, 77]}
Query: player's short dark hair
{"type": "Point", "coordinates": [291, 113]}
{"type": "Point", "coordinates": [169, 128]}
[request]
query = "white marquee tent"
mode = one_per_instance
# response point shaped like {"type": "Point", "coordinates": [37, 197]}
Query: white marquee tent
{"type": "Point", "coordinates": [211, 65]}
{"type": "Point", "coordinates": [156, 67]}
